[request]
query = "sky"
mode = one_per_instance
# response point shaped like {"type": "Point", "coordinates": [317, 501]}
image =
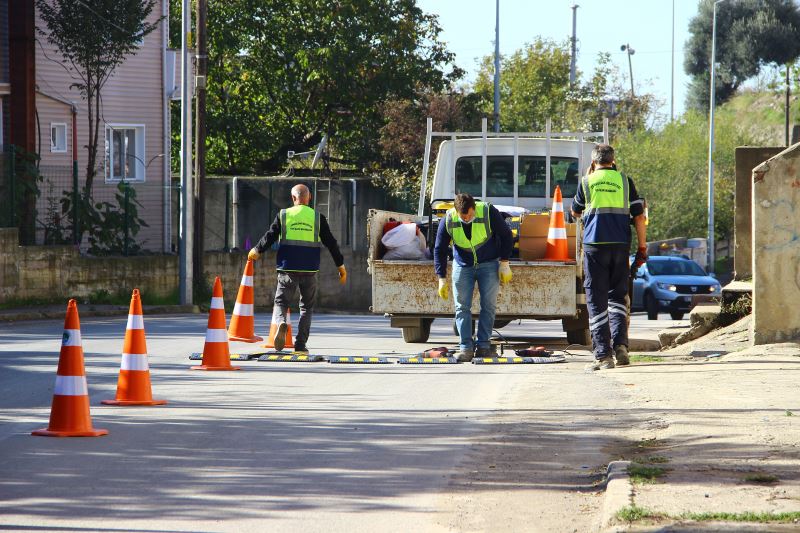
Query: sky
{"type": "Point", "coordinates": [603, 26]}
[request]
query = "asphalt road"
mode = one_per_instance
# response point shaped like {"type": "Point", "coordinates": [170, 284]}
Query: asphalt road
{"type": "Point", "coordinates": [299, 447]}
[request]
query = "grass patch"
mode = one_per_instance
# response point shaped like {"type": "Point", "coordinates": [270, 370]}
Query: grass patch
{"type": "Point", "coordinates": [634, 513]}
{"type": "Point", "coordinates": [781, 518]}
{"type": "Point", "coordinates": [789, 413]}
{"type": "Point", "coordinates": [761, 478]}
{"type": "Point", "coordinates": [651, 443]}
{"type": "Point", "coordinates": [653, 459]}
{"type": "Point", "coordinates": [641, 358]}
{"type": "Point", "coordinates": [645, 474]}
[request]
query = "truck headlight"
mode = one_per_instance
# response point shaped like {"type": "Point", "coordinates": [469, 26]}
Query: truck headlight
{"type": "Point", "coordinates": [667, 286]}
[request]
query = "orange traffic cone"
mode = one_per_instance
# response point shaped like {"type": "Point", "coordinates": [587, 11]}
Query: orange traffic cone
{"type": "Point", "coordinates": [557, 248]}
{"type": "Point", "coordinates": [69, 415]}
{"type": "Point", "coordinates": [273, 329]}
{"type": "Point", "coordinates": [216, 353]}
{"type": "Point", "coordinates": [242, 327]}
{"type": "Point", "coordinates": [133, 384]}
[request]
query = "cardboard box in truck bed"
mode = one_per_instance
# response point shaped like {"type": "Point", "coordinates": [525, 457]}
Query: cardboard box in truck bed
{"type": "Point", "coordinates": [533, 237]}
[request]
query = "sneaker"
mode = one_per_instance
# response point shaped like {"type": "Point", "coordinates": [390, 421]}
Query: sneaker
{"type": "Point", "coordinates": [463, 356]}
{"type": "Point", "coordinates": [606, 363]}
{"type": "Point", "coordinates": [621, 353]}
{"type": "Point", "coordinates": [300, 348]}
{"type": "Point", "coordinates": [484, 351]}
{"type": "Point", "coordinates": [280, 337]}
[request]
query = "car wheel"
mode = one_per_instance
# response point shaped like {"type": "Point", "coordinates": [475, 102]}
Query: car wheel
{"type": "Point", "coordinates": [676, 315]}
{"type": "Point", "coordinates": [651, 306]}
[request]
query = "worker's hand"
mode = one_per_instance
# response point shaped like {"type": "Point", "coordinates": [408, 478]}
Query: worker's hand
{"type": "Point", "coordinates": [443, 289]}
{"type": "Point", "coordinates": [505, 272]}
{"type": "Point", "coordinates": [641, 257]}
{"type": "Point", "coordinates": [253, 255]}
{"type": "Point", "coordinates": [342, 275]}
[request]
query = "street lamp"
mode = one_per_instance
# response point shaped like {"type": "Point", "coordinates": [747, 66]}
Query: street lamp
{"type": "Point", "coordinates": [712, 105]}
{"type": "Point", "coordinates": [631, 51]}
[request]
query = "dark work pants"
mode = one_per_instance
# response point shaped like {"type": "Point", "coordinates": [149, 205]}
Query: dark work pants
{"type": "Point", "coordinates": [605, 278]}
{"type": "Point", "coordinates": [288, 283]}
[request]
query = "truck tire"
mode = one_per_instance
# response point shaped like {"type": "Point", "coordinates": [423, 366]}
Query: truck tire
{"type": "Point", "coordinates": [577, 328]}
{"type": "Point", "coordinates": [417, 334]}
{"type": "Point", "coordinates": [501, 323]}
{"type": "Point", "coordinates": [579, 336]}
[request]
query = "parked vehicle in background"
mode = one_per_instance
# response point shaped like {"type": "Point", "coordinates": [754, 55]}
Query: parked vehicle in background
{"type": "Point", "coordinates": [673, 284]}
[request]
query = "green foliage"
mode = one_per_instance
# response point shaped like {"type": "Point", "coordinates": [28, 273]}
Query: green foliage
{"type": "Point", "coordinates": [281, 74]}
{"type": "Point", "coordinates": [94, 39]}
{"type": "Point", "coordinates": [780, 518]}
{"type": "Point", "coordinates": [634, 513]}
{"type": "Point", "coordinates": [534, 86]}
{"type": "Point", "coordinates": [750, 34]}
{"type": "Point", "coordinates": [643, 358]}
{"type": "Point", "coordinates": [761, 478]}
{"type": "Point", "coordinates": [640, 473]}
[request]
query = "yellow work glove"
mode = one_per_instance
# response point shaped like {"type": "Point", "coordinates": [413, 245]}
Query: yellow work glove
{"type": "Point", "coordinates": [253, 254]}
{"type": "Point", "coordinates": [443, 289]}
{"type": "Point", "coordinates": [505, 272]}
{"type": "Point", "coordinates": [342, 275]}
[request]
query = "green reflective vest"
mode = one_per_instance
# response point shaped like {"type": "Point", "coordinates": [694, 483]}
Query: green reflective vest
{"type": "Point", "coordinates": [606, 218]}
{"type": "Point", "coordinates": [299, 244]}
{"type": "Point", "coordinates": [481, 229]}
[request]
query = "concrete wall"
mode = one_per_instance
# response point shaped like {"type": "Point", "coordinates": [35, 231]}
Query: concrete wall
{"type": "Point", "coordinates": [747, 158]}
{"type": "Point", "coordinates": [776, 248]}
{"type": "Point", "coordinates": [36, 273]}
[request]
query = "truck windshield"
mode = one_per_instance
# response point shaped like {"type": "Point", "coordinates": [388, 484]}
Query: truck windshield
{"type": "Point", "coordinates": [531, 176]}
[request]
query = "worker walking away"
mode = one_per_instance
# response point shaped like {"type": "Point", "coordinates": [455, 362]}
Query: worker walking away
{"type": "Point", "coordinates": [299, 231]}
{"type": "Point", "coordinates": [482, 243]}
{"type": "Point", "coordinates": [607, 201]}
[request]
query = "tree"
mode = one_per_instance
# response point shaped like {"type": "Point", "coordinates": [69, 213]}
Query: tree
{"type": "Point", "coordinates": [281, 74]}
{"type": "Point", "coordinates": [750, 34]}
{"type": "Point", "coordinates": [95, 38]}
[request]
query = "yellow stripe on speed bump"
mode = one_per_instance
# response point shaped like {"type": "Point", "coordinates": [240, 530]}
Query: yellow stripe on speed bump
{"type": "Point", "coordinates": [291, 358]}
{"type": "Point", "coordinates": [359, 360]}
{"type": "Point", "coordinates": [518, 360]}
{"type": "Point", "coordinates": [427, 361]}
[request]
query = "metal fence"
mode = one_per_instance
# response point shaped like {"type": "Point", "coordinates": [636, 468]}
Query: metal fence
{"type": "Point", "coordinates": [109, 218]}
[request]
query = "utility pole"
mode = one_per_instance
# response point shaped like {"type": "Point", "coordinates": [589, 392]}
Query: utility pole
{"type": "Point", "coordinates": [201, 59]}
{"type": "Point", "coordinates": [574, 45]}
{"type": "Point", "coordinates": [185, 274]}
{"type": "Point", "coordinates": [497, 67]}
{"type": "Point", "coordinates": [631, 51]}
{"type": "Point", "coordinates": [786, 104]}
{"type": "Point", "coordinates": [672, 70]}
{"type": "Point", "coordinates": [712, 105]}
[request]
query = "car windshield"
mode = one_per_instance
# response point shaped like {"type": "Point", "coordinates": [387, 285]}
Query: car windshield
{"type": "Point", "coordinates": [673, 268]}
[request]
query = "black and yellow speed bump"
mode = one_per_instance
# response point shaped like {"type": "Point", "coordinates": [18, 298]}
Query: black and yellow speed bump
{"type": "Point", "coordinates": [196, 356]}
{"type": "Point", "coordinates": [291, 358]}
{"type": "Point", "coordinates": [421, 360]}
{"type": "Point", "coordinates": [358, 360]}
{"type": "Point", "coordinates": [517, 360]}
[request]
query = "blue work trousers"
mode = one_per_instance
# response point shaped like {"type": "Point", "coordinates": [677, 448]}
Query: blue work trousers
{"type": "Point", "coordinates": [605, 278]}
{"type": "Point", "coordinates": [464, 279]}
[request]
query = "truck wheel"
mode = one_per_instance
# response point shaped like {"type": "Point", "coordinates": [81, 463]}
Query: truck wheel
{"type": "Point", "coordinates": [577, 328]}
{"type": "Point", "coordinates": [579, 336]}
{"type": "Point", "coordinates": [418, 333]}
{"type": "Point", "coordinates": [651, 305]}
{"type": "Point", "coordinates": [501, 323]}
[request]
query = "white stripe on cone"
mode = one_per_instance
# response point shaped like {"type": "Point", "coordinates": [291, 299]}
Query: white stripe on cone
{"type": "Point", "coordinates": [216, 335]}
{"type": "Point", "coordinates": [135, 322]}
{"type": "Point", "coordinates": [557, 233]}
{"type": "Point", "coordinates": [247, 281]}
{"type": "Point", "coordinates": [558, 207]}
{"type": "Point", "coordinates": [71, 337]}
{"type": "Point", "coordinates": [71, 386]}
{"type": "Point", "coordinates": [134, 361]}
{"type": "Point", "coordinates": [217, 303]}
{"type": "Point", "coordinates": [243, 309]}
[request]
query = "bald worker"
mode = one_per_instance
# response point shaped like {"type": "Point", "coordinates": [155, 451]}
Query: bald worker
{"type": "Point", "coordinates": [299, 232]}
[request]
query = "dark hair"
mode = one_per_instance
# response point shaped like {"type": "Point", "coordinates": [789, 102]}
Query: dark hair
{"type": "Point", "coordinates": [603, 154]}
{"type": "Point", "coordinates": [463, 203]}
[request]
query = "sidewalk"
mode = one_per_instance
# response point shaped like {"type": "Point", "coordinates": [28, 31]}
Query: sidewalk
{"type": "Point", "coordinates": [716, 446]}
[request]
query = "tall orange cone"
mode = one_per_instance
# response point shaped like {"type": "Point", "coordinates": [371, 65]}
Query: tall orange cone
{"type": "Point", "coordinates": [242, 326]}
{"type": "Point", "coordinates": [216, 353]}
{"type": "Point", "coordinates": [273, 329]}
{"type": "Point", "coordinates": [557, 248]}
{"type": "Point", "coordinates": [69, 415]}
{"type": "Point", "coordinates": [133, 384]}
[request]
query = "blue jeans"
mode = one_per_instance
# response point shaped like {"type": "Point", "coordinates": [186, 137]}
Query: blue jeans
{"type": "Point", "coordinates": [464, 279]}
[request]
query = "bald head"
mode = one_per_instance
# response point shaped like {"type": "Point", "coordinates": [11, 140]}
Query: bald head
{"type": "Point", "coordinates": [301, 195]}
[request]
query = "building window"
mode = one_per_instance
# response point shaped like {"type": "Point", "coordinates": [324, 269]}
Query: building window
{"type": "Point", "coordinates": [58, 138]}
{"type": "Point", "coordinates": [125, 153]}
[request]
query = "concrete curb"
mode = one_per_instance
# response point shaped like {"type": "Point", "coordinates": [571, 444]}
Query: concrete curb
{"type": "Point", "coordinates": [94, 311]}
{"type": "Point", "coordinates": [618, 494]}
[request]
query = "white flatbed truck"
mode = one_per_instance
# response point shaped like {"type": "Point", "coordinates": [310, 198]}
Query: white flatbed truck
{"type": "Point", "coordinates": [507, 169]}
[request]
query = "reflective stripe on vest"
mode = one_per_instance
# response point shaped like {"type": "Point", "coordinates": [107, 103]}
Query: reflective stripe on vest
{"type": "Point", "coordinates": [481, 229]}
{"type": "Point", "coordinates": [300, 226]}
{"type": "Point", "coordinates": [606, 217]}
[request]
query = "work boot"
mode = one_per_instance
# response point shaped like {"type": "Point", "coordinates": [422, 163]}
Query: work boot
{"type": "Point", "coordinates": [621, 353]}
{"type": "Point", "coordinates": [484, 351]}
{"type": "Point", "coordinates": [606, 363]}
{"type": "Point", "coordinates": [463, 356]}
{"type": "Point", "coordinates": [300, 347]}
{"type": "Point", "coordinates": [280, 337]}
